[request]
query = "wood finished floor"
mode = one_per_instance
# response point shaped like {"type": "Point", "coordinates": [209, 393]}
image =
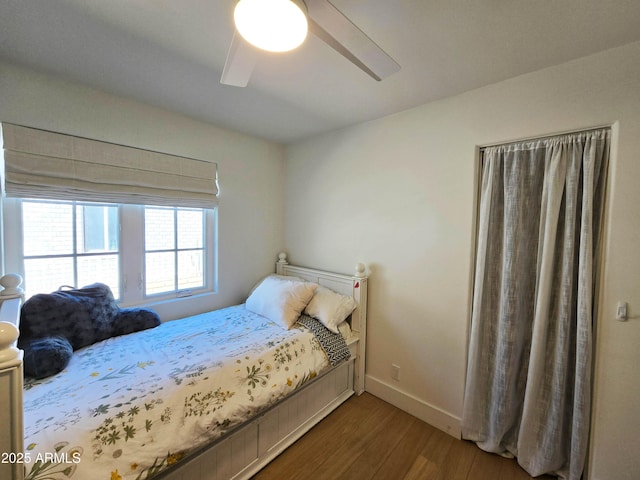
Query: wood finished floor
{"type": "Point", "coordinates": [367, 438]}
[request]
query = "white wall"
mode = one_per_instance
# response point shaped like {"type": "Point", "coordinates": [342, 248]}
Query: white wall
{"type": "Point", "coordinates": [250, 214]}
{"type": "Point", "coordinates": [399, 194]}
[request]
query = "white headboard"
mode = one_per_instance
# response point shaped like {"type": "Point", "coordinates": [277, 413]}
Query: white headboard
{"type": "Point", "coordinates": [352, 285]}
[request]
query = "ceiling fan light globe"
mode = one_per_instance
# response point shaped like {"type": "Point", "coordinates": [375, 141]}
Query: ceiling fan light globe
{"type": "Point", "coordinates": [273, 25]}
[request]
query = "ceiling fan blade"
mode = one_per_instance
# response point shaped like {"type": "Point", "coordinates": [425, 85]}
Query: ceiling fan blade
{"type": "Point", "coordinates": [332, 27]}
{"type": "Point", "coordinates": [241, 59]}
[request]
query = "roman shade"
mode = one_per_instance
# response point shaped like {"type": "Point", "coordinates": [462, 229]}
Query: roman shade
{"type": "Point", "coordinates": [43, 164]}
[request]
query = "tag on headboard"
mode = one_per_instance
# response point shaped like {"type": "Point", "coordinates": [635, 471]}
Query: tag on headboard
{"type": "Point", "coordinates": [357, 285]}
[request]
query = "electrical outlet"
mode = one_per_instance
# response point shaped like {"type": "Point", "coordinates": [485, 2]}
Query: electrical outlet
{"type": "Point", "coordinates": [395, 372]}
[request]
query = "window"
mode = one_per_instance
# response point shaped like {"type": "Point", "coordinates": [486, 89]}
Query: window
{"type": "Point", "coordinates": [143, 253]}
{"type": "Point", "coordinates": [69, 243]}
{"type": "Point", "coordinates": [174, 254]}
{"type": "Point", "coordinates": [94, 219]}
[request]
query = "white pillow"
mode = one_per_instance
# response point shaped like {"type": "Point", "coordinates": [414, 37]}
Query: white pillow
{"type": "Point", "coordinates": [279, 277]}
{"type": "Point", "coordinates": [330, 308]}
{"type": "Point", "coordinates": [280, 300]}
{"type": "Point", "coordinates": [345, 330]}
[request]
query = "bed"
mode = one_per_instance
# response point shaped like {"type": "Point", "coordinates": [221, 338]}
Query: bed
{"type": "Point", "coordinates": [273, 392]}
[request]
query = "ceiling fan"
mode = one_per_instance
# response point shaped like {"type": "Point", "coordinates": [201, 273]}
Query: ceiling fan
{"type": "Point", "coordinates": [322, 19]}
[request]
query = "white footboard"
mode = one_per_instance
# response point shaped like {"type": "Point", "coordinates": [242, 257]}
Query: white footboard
{"type": "Point", "coordinates": [11, 439]}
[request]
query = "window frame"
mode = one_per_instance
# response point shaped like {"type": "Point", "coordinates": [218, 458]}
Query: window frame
{"type": "Point", "coordinates": [131, 257]}
{"type": "Point", "coordinates": [175, 250]}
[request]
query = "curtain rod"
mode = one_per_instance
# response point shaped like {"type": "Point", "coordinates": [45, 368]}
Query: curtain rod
{"type": "Point", "coordinates": [546, 137]}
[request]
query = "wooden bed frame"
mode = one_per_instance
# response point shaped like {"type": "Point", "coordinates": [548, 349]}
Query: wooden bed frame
{"type": "Point", "coordinates": [242, 452]}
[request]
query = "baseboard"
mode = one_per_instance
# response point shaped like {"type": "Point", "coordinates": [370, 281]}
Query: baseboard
{"type": "Point", "coordinates": [418, 408]}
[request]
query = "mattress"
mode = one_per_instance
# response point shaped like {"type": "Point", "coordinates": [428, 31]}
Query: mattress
{"type": "Point", "coordinates": [132, 406]}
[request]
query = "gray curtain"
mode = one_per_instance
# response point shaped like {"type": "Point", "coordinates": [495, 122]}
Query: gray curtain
{"type": "Point", "coordinates": [528, 386]}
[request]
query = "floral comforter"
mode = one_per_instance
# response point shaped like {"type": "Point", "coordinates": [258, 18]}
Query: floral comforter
{"type": "Point", "coordinates": [132, 406]}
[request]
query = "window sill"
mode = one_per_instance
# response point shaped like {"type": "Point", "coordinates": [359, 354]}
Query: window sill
{"type": "Point", "coordinates": [178, 307]}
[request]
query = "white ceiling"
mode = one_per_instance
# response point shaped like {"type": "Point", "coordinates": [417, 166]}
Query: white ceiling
{"type": "Point", "coordinates": [170, 53]}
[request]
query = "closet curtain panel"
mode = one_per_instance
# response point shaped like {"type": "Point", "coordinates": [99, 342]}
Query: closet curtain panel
{"type": "Point", "coordinates": [42, 164]}
{"type": "Point", "coordinates": [528, 386]}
